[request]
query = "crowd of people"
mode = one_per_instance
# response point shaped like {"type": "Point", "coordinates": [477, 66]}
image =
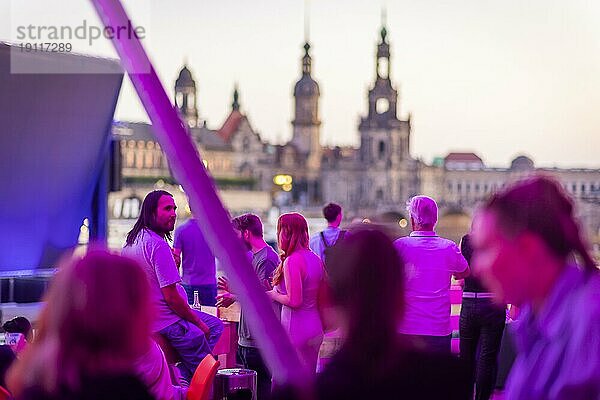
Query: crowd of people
{"type": "Point", "coordinates": [109, 319]}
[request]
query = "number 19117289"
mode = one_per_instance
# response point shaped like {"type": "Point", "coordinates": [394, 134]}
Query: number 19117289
{"type": "Point", "coordinates": [49, 47]}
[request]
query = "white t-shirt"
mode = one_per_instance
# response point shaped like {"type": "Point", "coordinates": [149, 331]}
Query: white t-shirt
{"type": "Point", "coordinates": [155, 256]}
{"type": "Point", "coordinates": [429, 263]}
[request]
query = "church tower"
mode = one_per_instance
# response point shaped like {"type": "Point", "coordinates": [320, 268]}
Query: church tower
{"type": "Point", "coordinates": [383, 96]}
{"type": "Point", "coordinates": [185, 97]}
{"type": "Point", "coordinates": [384, 138]}
{"type": "Point", "coordinates": [306, 124]}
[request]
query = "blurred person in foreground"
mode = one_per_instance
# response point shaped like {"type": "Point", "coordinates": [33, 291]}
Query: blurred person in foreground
{"type": "Point", "coordinates": [17, 334]}
{"type": "Point", "coordinates": [193, 334]}
{"type": "Point", "coordinates": [430, 262]}
{"type": "Point", "coordinates": [525, 242]}
{"type": "Point", "coordinates": [93, 328]}
{"type": "Point", "coordinates": [374, 362]}
{"type": "Point", "coordinates": [249, 229]}
{"type": "Point", "coordinates": [18, 329]}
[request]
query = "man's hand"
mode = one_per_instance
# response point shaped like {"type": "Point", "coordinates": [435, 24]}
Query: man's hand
{"type": "Point", "coordinates": [199, 323]}
{"type": "Point", "coordinates": [225, 299]}
{"type": "Point", "coordinates": [203, 327]}
{"type": "Point", "coordinates": [223, 284]}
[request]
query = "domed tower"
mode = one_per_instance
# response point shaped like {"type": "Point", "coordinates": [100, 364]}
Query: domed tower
{"type": "Point", "coordinates": [522, 163]}
{"type": "Point", "coordinates": [306, 124]}
{"type": "Point", "coordinates": [185, 97]}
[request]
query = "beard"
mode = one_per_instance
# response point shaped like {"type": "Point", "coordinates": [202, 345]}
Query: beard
{"type": "Point", "coordinates": [163, 229]}
{"type": "Point", "coordinates": [247, 244]}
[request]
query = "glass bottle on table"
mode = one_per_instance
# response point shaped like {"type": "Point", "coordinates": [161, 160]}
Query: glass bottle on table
{"type": "Point", "coordinates": [196, 305]}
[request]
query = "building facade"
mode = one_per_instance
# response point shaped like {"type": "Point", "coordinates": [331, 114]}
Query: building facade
{"type": "Point", "coordinates": [380, 174]}
{"type": "Point", "coordinates": [378, 177]}
{"type": "Point", "coordinates": [463, 181]}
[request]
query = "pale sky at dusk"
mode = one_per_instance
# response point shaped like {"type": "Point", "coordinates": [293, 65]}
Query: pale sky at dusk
{"type": "Point", "coordinates": [499, 78]}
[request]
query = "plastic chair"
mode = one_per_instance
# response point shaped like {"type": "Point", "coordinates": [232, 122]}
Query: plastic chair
{"type": "Point", "coordinates": [5, 394]}
{"type": "Point", "coordinates": [203, 379]}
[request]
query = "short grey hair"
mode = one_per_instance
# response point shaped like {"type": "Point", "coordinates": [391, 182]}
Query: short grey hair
{"type": "Point", "coordinates": [423, 210]}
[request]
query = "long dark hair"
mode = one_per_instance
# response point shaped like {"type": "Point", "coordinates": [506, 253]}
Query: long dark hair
{"type": "Point", "coordinates": [366, 266]}
{"type": "Point", "coordinates": [541, 206]}
{"type": "Point", "coordinates": [147, 217]}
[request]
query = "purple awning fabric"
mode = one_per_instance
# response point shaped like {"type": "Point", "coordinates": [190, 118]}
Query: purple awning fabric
{"type": "Point", "coordinates": [54, 136]}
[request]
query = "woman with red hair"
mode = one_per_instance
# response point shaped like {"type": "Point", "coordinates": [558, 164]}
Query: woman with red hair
{"type": "Point", "coordinates": [298, 282]}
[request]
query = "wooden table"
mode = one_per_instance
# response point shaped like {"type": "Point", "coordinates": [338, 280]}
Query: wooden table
{"type": "Point", "coordinates": [226, 347]}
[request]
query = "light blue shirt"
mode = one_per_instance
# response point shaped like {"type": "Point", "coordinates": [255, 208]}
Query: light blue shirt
{"type": "Point", "coordinates": [559, 347]}
{"type": "Point", "coordinates": [198, 262]}
{"type": "Point", "coordinates": [316, 243]}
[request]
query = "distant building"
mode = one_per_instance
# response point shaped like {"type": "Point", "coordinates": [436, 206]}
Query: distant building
{"type": "Point", "coordinates": [381, 174]}
{"type": "Point", "coordinates": [464, 181]}
{"type": "Point", "coordinates": [376, 178]}
{"type": "Point", "coordinates": [235, 154]}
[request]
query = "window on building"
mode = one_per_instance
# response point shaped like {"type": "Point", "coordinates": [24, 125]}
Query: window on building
{"type": "Point", "coordinates": [381, 149]}
{"type": "Point", "coordinates": [157, 159]}
{"type": "Point", "coordinates": [117, 208]}
{"type": "Point", "coordinates": [382, 105]}
{"type": "Point", "coordinates": [130, 208]}
{"type": "Point", "coordinates": [129, 158]}
{"type": "Point", "coordinates": [139, 159]}
{"type": "Point", "coordinates": [148, 159]}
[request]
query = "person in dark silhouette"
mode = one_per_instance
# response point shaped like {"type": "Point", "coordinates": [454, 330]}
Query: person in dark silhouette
{"type": "Point", "coordinates": [481, 326]}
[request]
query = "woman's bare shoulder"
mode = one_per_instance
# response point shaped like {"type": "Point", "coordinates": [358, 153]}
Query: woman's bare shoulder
{"type": "Point", "coordinates": [302, 257]}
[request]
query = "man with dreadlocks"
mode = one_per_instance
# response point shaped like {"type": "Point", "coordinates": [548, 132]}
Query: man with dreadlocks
{"type": "Point", "coordinates": [193, 334]}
